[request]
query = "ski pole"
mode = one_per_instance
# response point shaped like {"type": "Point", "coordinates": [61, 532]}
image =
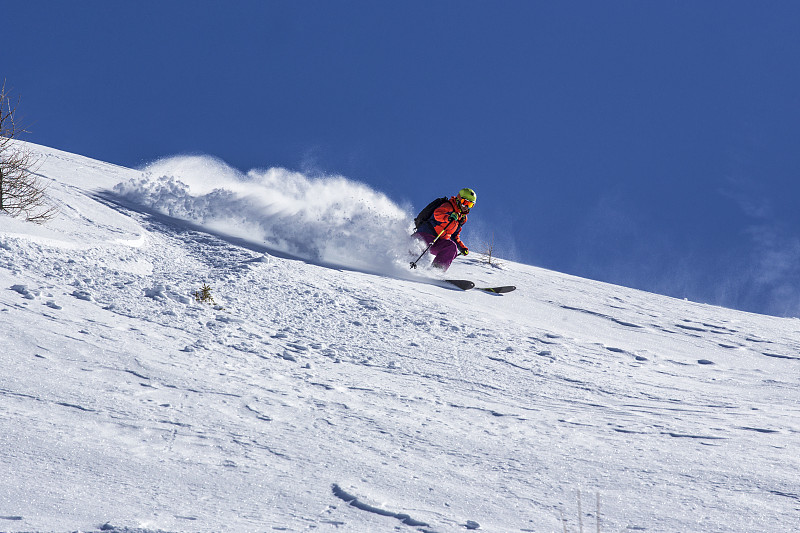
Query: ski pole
{"type": "Point", "coordinates": [414, 263]}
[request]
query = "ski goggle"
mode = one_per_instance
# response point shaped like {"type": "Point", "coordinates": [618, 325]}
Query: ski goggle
{"type": "Point", "coordinates": [466, 203]}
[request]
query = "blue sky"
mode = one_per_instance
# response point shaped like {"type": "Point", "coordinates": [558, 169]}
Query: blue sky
{"type": "Point", "coordinates": [649, 144]}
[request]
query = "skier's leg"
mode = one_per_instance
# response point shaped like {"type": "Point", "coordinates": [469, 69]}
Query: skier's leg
{"type": "Point", "coordinates": [422, 242]}
{"type": "Point", "coordinates": [445, 251]}
{"type": "Point", "coordinates": [424, 237]}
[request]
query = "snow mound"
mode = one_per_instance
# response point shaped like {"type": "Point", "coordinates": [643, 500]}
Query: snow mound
{"type": "Point", "coordinates": [328, 219]}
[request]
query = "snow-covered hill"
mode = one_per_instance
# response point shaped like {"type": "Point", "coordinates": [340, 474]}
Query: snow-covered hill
{"type": "Point", "coordinates": [332, 390]}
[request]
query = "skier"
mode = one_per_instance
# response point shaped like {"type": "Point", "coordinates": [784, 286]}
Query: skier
{"type": "Point", "coordinates": [439, 226]}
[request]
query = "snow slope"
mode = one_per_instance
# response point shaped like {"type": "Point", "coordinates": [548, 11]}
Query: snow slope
{"type": "Point", "coordinates": [332, 390]}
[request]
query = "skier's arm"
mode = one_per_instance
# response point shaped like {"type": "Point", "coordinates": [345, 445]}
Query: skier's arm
{"type": "Point", "coordinates": [442, 220]}
{"type": "Point", "coordinates": [456, 237]}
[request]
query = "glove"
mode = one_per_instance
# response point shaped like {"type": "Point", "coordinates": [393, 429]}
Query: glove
{"type": "Point", "coordinates": [464, 250]}
{"type": "Point", "coordinates": [453, 216]}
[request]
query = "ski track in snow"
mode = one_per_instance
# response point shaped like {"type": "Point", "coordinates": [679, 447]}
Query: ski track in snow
{"type": "Point", "coordinates": [332, 399]}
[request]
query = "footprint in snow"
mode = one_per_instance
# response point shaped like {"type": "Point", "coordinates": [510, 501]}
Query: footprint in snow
{"type": "Point", "coordinates": [83, 295]}
{"type": "Point", "coordinates": [728, 346]}
{"type": "Point", "coordinates": [616, 350]}
{"type": "Point", "coordinates": [759, 430]}
{"type": "Point", "coordinates": [779, 356]}
{"type": "Point", "coordinates": [23, 291]}
{"type": "Point", "coordinates": [637, 357]}
{"type": "Point", "coordinates": [296, 347]}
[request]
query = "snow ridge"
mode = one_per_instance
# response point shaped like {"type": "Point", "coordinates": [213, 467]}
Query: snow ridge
{"type": "Point", "coordinates": [358, 504]}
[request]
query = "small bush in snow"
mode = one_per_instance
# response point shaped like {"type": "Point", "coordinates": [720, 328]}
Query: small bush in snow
{"type": "Point", "coordinates": [204, 295]}
{"type": "Point", "coordinates": [488, 254]}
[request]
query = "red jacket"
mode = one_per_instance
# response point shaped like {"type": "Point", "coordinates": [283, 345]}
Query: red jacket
{"type": "Point", "coordinates": [452, 228]}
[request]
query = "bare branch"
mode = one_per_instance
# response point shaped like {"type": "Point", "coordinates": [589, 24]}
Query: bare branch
{"type": "Point", "coordinates": [21, 191]}
{"type": "Point", "coordinates": [489, 254]}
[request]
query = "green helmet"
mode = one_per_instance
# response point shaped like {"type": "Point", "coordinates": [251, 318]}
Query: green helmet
{"type": "Point", "coordinates": [468, 194]}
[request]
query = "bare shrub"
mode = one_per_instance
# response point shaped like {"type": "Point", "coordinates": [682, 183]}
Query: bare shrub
{"type": "Point", "coordinates": [489, 253]}
{"type": "Point", "coordinates": [22, 194]}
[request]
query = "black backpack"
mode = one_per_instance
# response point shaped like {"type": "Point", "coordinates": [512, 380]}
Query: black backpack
{"type": "Point", "coordinates": [427, 211]}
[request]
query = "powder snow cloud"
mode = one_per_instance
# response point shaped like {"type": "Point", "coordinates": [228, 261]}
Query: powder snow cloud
{"type": "Point", "coordinates": [321, 218]}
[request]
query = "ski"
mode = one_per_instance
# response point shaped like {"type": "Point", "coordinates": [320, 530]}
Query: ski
{"type": "Point", "coordinates": [462, 284]}
{"type": "Point", "coordinates": [498, 290]}
{"type": "Point", "coordinates": [466, 285]}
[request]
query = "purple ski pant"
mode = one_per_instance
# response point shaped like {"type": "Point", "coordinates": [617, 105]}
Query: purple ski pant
{"type": "Point", "coordinates": [443, 250]}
